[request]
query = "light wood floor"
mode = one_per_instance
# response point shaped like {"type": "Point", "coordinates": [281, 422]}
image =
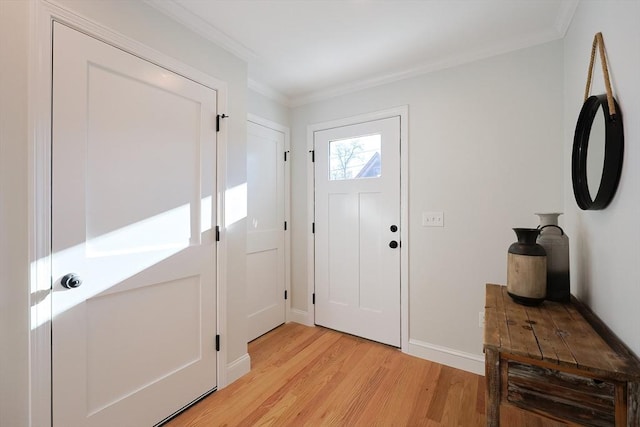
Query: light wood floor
{"type": "Point", "coordinates": [319, 377]}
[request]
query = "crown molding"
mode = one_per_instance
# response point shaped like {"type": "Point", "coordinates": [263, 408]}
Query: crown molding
{"type": "Point", "coordinates": [496, 49]}
{"type": "Point", "coordinates": [198, 25]}
{"type": "Point", "coordinates": [213, 34]}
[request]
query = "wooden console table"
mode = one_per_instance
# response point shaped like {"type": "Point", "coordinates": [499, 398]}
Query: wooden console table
{"type": "Point", "coordinates": [558, 361]}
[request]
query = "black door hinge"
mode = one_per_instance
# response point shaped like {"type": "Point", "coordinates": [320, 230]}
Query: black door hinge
{"type": "Point", "coordinates": [217, 233]}
{"type": "Point", "coordinates": [313, 227]}
{"type": "Point", "coordinates": [217, 342]}
{"type": "Point", "coordinates": [313, 155]}
{"type": "Point", "coordinates": [313, 298]}
{"type": "Point", "coordinates": [285, 226]}
{"type": "Point", "coordinates": [285, 294]}
{"type": "Point", "coordinates": [285, 155]}
{"type": "Point", "coordinates": [218, 117]}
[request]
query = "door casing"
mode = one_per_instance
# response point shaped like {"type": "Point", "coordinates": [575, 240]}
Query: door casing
{"type": "Point", "coordinates": [42, 15]}
{"type": "Point", "coordinates": [403, 112]}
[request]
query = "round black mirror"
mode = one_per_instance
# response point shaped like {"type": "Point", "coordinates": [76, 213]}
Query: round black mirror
{"type": "Point", "coordinates": [598, 146]}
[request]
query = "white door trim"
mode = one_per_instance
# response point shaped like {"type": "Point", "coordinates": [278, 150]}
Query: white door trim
{"type": "Point", "coordinates": [287, 202]}
{"type": "Point", "coordinates": [403, 112]}
{"type": "Point", "coordinates": [42, 13]}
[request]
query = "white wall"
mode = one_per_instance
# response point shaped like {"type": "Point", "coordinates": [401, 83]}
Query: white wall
{"type": "Point", "coordinates": [485, 147]}
{"type": "Point", "coordinates": [267, 108]}
{"type": "Point", "coordinates": [144, 24]}
{"type": "Point", "coordinates": [14, 289]}
{"type": "Point", "coordinates": [605, 245]}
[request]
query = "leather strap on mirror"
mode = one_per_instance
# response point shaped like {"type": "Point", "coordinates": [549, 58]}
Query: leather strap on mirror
{"type": "Point", "coordinates": [598, 42]}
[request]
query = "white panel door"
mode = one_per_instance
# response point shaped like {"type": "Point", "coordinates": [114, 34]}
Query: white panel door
{"type": "Point", "coordinates": [357, 221]}
{"type": "Point", "coordinates": [134, 149]}
{"type": "Point", "coordinates": [265, 229]}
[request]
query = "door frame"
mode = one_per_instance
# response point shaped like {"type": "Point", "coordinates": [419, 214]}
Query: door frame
{"type": "Point", "coordinates": [403, 112]}
{"type": "Point", "coordinates": [287, 202]}
{"type": "Point", "coordinates": [42, 13]}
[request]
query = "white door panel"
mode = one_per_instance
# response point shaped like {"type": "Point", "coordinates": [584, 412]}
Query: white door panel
{"type": "Point", "coordinates": [357, 200]}
{"type": "Point", "coordinates": [133, 179]}
{"type": "Point", "coordinates": [265, 229]}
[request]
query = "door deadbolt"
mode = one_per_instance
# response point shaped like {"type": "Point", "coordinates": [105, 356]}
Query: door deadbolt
{"type": "Point", "coordinates": [70, 281]}
{"type": "Point", "coordinates": [393, 228]}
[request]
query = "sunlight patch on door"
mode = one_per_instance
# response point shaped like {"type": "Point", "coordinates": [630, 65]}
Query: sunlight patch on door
{"type": "Point", "coordinates": [143, 251]}
{"type": "Point", "coordinates": [172, 230]}
{"type": "Point", "coordinates": [235, 204]}
{"type": "Point", "coordinates": [355, 158]}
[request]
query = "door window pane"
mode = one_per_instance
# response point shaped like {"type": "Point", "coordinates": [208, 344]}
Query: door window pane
{"type": "Point", "coordinates": [355, 158]}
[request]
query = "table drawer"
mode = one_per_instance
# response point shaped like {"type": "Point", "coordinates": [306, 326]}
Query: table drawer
{"type": "Point", "coordinates": [575, 398]}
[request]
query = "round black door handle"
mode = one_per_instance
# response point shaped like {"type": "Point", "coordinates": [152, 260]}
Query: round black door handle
{"type": "Point", "coordinates": [70, 281]}
{"type": "Point", "coordinates": [393, 244]}
{"type": "Point", "coordinates": [393, 228]}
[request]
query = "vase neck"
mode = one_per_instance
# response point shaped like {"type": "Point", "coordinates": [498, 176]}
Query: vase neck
{"type": "Point", "coordinates": [548, 218]}
{"type": "Point", "coordinates": [527, 235]}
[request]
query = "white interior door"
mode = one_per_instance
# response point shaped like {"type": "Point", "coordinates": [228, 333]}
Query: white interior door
{"type": "Point", "coordinates": [134, 150]}
{"type": "Point", "coordinates": [265, 229]}
{"type": "Point", "coordinates": [357, 217]}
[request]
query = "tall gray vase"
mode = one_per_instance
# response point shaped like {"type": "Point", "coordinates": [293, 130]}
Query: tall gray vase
{"type": "Point", "coordinates": [556, 243]}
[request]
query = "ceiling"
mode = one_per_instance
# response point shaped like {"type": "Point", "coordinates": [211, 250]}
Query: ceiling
{"type": "Point", "coordinates": [299, 51]}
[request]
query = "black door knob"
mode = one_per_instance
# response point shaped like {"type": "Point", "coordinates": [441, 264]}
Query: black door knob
{"type": "Point", "coordinates": [393, 244]}
{"type": "Point", "coordinates": [393, 228]}
{"type": "Point", "coordinates": [70, 281]}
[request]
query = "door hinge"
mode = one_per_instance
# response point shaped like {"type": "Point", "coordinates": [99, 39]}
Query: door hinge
{"type": "Point", "coordinates": [285, 294]}
{"type": "Point", "coordinates": [313, 227]}
{"type": "Point", "coordinates": [313, 298]}
{"type": "Point", "coordinates": [285, 226]}
{"type": "Point", "coordinates": [218, 117]}
{"type": "Point", "coordinates": [285, 155]}
{"type": "Point", "coordinates": [217, 233]}
{"type": "Point", "coordinates": [217, 342]}
{"type": "Point", "coordinates": [313, 155]}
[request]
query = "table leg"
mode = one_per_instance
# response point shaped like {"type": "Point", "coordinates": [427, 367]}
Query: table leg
{"type": "Point", "coordinates": [633, 404]}
{"type": "Point", "coordinates": [492, 376]}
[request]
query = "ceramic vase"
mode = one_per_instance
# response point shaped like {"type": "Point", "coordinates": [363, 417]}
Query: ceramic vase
{"type": "Point", "coordinates": [556, 243]}
{"type": "Point", "coordinates": [527, 268]}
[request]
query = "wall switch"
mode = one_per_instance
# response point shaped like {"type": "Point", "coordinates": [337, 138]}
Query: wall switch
{"type": "Point", "coordinates": [481, 319]}
{"type": "Point", "coordinates": [433, 219]}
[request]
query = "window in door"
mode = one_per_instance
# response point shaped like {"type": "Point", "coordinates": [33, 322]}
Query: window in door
{"type": "Point", "coordinates": [355, 158]}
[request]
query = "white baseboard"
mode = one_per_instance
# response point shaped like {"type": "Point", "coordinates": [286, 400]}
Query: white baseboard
{"type": "Point", "coordinates": [447, 356]}
{"type": "Point", "coordinates": [239, 367]}
{"type": "Point", "coordinates": [302, 317]}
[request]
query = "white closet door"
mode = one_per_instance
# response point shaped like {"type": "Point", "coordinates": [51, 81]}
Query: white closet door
{"type": "Point", "coordinates": [265, 229]}
{"type": "Point", "coordinates": [134, 149]}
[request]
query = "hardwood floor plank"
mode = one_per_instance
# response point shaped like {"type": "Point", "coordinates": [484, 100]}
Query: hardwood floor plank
{"type": "Point", "coordinates": [397, 403]}
{"type": "Point", "coordinates": [300, 391]}
{"type": "Point", "coordinates": [454, 404]}
{"type": "Point", "coordinates": [439, 400]}
{"type": "Point", "coordinates": [346, 386]}
{"type": "Point", "coordinates": [427, 385]}
{"type": "Point", "coordinates": [304, 376]}
{"type": "Point", "coordinates": [480, 396]}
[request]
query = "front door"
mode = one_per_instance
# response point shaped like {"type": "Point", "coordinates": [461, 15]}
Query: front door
{"type": "Point", "coordinates": [357, 229]}
{"type": "Point", "coordinates": [134, 256]}
{"type": "Point", "coordinates": [265, 229]}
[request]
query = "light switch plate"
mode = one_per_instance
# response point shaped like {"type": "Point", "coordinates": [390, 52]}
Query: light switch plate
{"type": "Point", "coordinates": [433, 219]}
